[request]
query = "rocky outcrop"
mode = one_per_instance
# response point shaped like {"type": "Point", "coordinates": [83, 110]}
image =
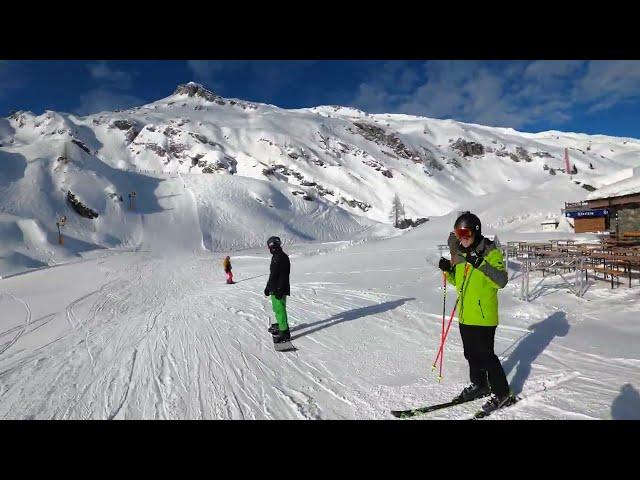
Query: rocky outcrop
{"type": "Point", "coordinates": [81, 145]}
{"type": "Point", "coordinates": [305, 195]}
{"type": "Point", "coordinates": [379, 136]}
{"type": "Point", "coordinates": [80, 208]}
{"type": "Point", "coordinates": [192, 89]}
{"type": "Point", "coordinates": [123, 124]}
{"type": "Point", "coordinates": [407, 222]}
{"type": "Point", "coordinates": [226, 164]}
{"type": "Point", "coordinates": [364, 206]}
{"type": "Point", "coordinates": [522, 154]}
{"type": "Point", "coordinates": [468, 149]}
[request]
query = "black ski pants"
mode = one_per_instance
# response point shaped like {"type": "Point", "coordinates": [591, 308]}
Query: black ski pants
{"type": "Point", "coordinates": [484, 364]}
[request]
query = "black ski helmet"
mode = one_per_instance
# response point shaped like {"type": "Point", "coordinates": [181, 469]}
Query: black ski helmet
{"type": "Point", "coordinates": [274, 242]}
{"type": "Point", "coordinates": [470, 221]}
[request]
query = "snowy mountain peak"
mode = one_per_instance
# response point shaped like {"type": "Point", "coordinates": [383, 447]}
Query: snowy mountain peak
{"type": "Point", "coordinates": [193, 89]}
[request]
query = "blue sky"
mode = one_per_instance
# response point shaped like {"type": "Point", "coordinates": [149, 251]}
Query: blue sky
{"type": "Point", "coordinates": [578, 96]}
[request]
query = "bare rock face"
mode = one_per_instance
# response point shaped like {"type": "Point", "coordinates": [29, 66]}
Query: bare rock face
{"type": "Point", "coordinates": [468, 148]}
{"type": "Point", "coordinates": [132, 133]}
{"type": "Point", "coordinates": [224, 164]}
{"type": "Point", "coordinates": [408, 222]}
{"type": "Point", "coordinates": [122, 124]}
{"type": "Point", "coordinates": [175, 149]}
{"type": "Point", "coordinates": [454, 162]}
{"type": "Point", "coordinates": [195, 90]}
{"type": "Point", "coordinates": [379, 136]}
{"type": "Point", "coordinates": [170, 131]}
{"type": "Point", "coordinates": [80, 208]}
{"type": "Point", "coordinates": [201, 138]}
{"type": "Point", "coordinates": [364, 206]}
{"type": "Point", "coordinates": [130, 127]}
{"type": "Point", "coordinates": [154, 147]}
{"type": "Point", "coordinates": [523, 154]}
{"type": "Point", "coordinates": [81, 145]}
{"type": "Point", "coordinates": [429, 160]}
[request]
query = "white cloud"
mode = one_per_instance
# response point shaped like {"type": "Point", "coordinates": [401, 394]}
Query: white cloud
{"type": "Point", "coordinates": [398, 73]}
{"type": "Point", "coordinates": [513, 94]}
{"type": "Point", "coordinates": [607, 83]}
{"type": "Point", "coordinates": [209, 71]}
{"type": "Point", "coordinates": [371, 98]}
{"type": "Point", "coordinates": [109, 94]}
{"type": "Point", "coordinates": [463, 90]}
{"type": "Point", "coordinates": [202, 69]}
{"type": "Point", "coordinates": [542, 70]}
{"type": "Point", "coordinates": [100, 99]}
{"type": "Point", "coordinates": [106, 74]}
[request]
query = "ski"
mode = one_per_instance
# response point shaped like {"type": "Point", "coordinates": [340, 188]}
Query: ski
{"type": "Point", "coordinates": [429, 408]}
{"type": "Point", "coordinates": [539, 387]}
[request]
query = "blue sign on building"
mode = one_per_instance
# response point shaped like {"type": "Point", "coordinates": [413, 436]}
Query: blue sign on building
{"type": "Point", "coordinates": [587, 213]}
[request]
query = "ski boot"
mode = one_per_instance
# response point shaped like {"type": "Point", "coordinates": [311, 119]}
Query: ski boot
{"type": "Point", "coordinates": [495, 402]}
{"type": "Point", "coordinates": [472, 392]}
{"type": "Point", "coordinates": [282, 336]}
{"type": "Point", "coordinates": [274, 329]}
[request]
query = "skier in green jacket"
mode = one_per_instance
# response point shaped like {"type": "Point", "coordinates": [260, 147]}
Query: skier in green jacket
{"type": "Point", "coordinates": [477, 270]}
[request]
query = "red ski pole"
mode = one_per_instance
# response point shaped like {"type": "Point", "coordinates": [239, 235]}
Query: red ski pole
{"type": "Point", "coordinates": [440, 354]}
{"type": "Point", "coordinates": [444, 306]}
{"type": "Point", "coordinates": [444, 313]}
{"type": "Point", "coordinates": [444, 338]}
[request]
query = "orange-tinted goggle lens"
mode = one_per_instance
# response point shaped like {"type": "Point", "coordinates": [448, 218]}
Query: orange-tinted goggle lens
{"type": "Point", "coordinates": [462, 233]}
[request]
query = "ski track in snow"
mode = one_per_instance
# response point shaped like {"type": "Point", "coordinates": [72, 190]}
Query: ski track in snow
{"type": "Point", "coordinates": [20, 329]}
{"type": "Point", "coordinates": [164, 340]}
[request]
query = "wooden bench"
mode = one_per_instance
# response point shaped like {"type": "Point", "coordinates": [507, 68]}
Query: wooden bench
{"type": "Point", "coordinates": [553, 269]}
{"type": "Point", "coordinates": [607, 271]}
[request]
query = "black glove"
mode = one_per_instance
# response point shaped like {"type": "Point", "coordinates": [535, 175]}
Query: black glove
{"type": "Point", "coordinates": [266, 291]}
{"type": "Point", "coordinates": [444, 264]}
{"type": "Point", "coordinates": [453, 242]}
{"type": "Point", "coordinates": [474, 259]}
{"type": "Point", "coordinates": [454, 248]}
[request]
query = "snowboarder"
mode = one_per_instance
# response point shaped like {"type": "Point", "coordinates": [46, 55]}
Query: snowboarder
{"type": "Point", "coordinates": [476, 269]}
{"type": "Point", "coordinates": [227, 269]}
{"type": "Point", "coordinates": [278, 288]}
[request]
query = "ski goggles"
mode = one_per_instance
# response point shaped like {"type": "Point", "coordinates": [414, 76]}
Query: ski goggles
{"type": "Point", "coordinates": [463, 233]}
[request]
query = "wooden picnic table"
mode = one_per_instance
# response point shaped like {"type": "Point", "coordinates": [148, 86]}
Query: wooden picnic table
{"type": "Point", "coordinates": [610, 263]}
{"type": "Point", "coordinates": [630, 259]}
{"type": "Point", "coordinates": [551, 253]}
{"type": "Point", "coordinates": [565, 242]}
{"type": "Point", "coordinates": [622, 243]}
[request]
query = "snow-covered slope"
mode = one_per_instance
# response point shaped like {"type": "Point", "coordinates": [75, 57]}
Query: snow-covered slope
{"type": "Point", "coordinates": [138, 335]}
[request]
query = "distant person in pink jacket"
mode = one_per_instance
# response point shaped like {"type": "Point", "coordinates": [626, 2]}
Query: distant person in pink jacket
{"type": "Point", "coordinates": [227, 269]}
